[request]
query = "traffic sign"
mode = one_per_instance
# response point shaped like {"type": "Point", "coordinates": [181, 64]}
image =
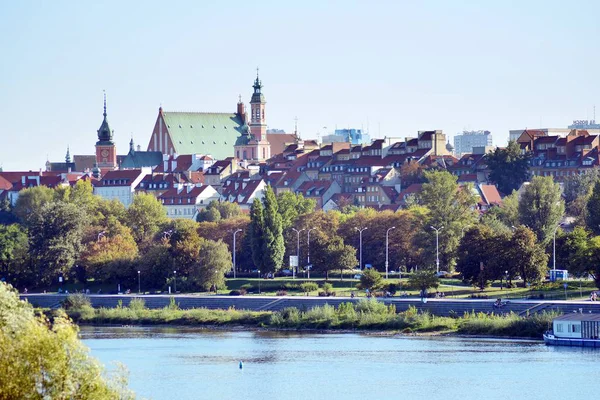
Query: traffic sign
{"type": "Point", "coordinates": [293, 261]}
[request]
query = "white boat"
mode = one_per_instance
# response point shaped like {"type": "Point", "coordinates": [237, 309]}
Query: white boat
{"type": "Point", "coordinates": [580, 330]}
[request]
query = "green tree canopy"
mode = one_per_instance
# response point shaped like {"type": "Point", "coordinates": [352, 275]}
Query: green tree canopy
{"type": "Point", "coordinates": [214, 261]}
{"type": "Point", "coordinates": [55, 236]}
{"type": "Point", "coordinates": [273, 245]}
{"type": "Point", "coordinates": [541, 207]}
{"type": "Point", "coordinates": [257, 233]}
{"type": "Point", "coordinates": [145, 216]}
{"type": "Point", "coordinates": [31, 201]}
{"type": "Point", "coordinates": [291, 205]}
{"type": "Point", "coordinates": [370, 279]}
{"type": "Point", "coordinates": [46, 360]}
{"type": "Point", "coordinates": [529, 256]}
{"type": "Point", "coordinates": [593, 209]}
{"type": "Point", "coordinates": [508, 167]}
{"type": "Point", "coordinates": [451, 207]}
{"type": "Point", "coordinates": [424, 279]}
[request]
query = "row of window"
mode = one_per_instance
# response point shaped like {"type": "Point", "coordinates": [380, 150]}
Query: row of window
{"type": "Point", "coordinates": [112, 182]}
{"type": "Point", "coordinates": [185, 211]}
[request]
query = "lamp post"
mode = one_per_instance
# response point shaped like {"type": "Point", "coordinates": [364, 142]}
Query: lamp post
{"type": "Point", "coordinates": [437, 246]}
{"type": "Point", "coordinates": [139, 283]}
{"type": "Point", "coordinates": [387, 250]}
{"type": "Point", "coordinates": [234, 233]}
{"type": "Point", "coordinates": [175, 280]}
{"type": "Point", "coordinates": [360, 231]}
{"type": "Point", "coordinates": [308, 266]}
{"type": "Point", "coordinates": [259, 281]}
{"type": "Point", "coordinates": [297, 251]}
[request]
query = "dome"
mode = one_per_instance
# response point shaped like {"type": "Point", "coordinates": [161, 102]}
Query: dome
{"type": "Point", "coordinates": [449, 147]}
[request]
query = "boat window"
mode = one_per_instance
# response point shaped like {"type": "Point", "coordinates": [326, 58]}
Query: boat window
{"type": "Point", "coordinates": [559, 327]}
{"type": "Point", "coordinates": [576, 328]}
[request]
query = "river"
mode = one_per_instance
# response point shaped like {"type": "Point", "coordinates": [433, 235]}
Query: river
{"type": "Point", "coordinates": [184, 363]}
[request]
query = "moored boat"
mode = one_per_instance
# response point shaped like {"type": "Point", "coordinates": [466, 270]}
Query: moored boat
{"type": "Point", "coordinates": [580, 330]}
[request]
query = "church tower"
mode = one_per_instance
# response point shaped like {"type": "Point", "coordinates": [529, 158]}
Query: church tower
{"type": "Point", "coordinates": [106, 151]}
{"type": "Point", "coordinates": [258, 123]}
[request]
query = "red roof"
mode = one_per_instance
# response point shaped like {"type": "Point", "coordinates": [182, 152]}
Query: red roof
{"type": "Point", "coordinates": [172, 196]}
{"type": "Point", "coordinates": [490, 194]}
{"type": "Point", "coordinates": [278, 141]}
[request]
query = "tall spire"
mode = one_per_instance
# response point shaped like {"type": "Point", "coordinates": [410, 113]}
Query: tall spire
{"type": "Point", "coordinates": [105, 134]}
{"type": "Point", "coordinates": [104, 91]}
{"type": "Point", "coordinates": [68, 156]}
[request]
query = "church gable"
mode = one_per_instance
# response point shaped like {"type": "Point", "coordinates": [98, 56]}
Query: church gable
{"type": "Point", "coordinates": [196, 133]}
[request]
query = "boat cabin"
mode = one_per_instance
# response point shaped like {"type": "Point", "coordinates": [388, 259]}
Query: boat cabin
{"type": "Point", "coordinates": [577, 326]}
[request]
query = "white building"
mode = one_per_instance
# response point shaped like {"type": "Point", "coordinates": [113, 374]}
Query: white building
{"type": "Point", "coordinates": [184, 200]}
{"type": "Point", "coordinates": [464, 142]}
{"type": "Point", "coordinates": [120, 185]}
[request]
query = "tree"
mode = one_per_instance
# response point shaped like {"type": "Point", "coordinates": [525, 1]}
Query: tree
{"type": "Point", "coordinates": [482, 247]}
{"type": "Point", "coordinates": [580, 185]}
{"type": "Point", "coordinates": [509, 167]}
{"type": "Point", "coordinates": [214, 261]}
{"type": "Point", "coordinates": [55, 236]}
{"type": "Point", "coordinates": [257, 233]}
{"type": "Point", "coordinates": [110, 257]}
{"type": "Point", "coordinates": [13, 247]}
{"type": "Point", "coordinates": [273, 244]}
{"type": "Point", "coordinates": [451, 207]}
{"type": "Point", "coordinates": [593, 210]}
{"type": "Point", "coordinates": [529, 257]}
{"type": "Point", "coordinates": [541, 207]}
{"type": "Point", "coordinates": [291, 205]}
{"type": "Point", "coordinates": [573, 252]}
{"type": "Point", "coordinates": [209, 214]}
{"type": "Point", "coordinates": [45, 359]}
{"type": "Point", "coordinates": [338, 256]}
{"type": "Point", "coordinates": [156, 266]}
{"type": "Point", "coordinates": [370, 279]}
{"type": "Point", "coordinates": [185, 245]}
{"type": "Point", "coordinates": [423, 280]}
{"type": "Point", "coordinates": [144, 216]}
{"type": "Point", "coordinates": [31, 201]}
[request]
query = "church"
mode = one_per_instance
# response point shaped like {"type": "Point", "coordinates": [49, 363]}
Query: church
{"type": "Point", "coordinates": [217, 134]}
{"type": "Point", "coordinates": [220, 135]}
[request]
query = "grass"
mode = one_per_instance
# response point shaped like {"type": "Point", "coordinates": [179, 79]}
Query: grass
{"type": "Point", "coordinates": [363, 315]}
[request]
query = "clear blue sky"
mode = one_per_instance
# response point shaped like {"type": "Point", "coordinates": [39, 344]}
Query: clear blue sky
{"type": "Point", "coordinates": [398, 66]}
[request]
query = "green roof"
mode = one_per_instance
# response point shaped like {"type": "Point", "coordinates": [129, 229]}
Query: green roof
{"type": "Point", "coordinates": [139, 159]}
{"type": "Point", "coordinates": [205, 133]}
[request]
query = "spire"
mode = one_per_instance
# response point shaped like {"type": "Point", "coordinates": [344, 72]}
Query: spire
{"type": "Point", "coordinates": [131, 145]}
{"type": "Point", "coordinates": [105, 134]}
{"type": "Point", "coordinates": [68, 156]}
{"type": "Point", "coordinates": [257, 96]}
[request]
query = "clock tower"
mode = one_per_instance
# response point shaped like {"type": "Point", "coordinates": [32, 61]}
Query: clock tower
{"type": "Point", "coordinates": [106, 151]}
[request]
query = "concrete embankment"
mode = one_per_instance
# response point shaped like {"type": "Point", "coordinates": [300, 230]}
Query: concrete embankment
{"type": "Point", "coordinates": [441, 307]}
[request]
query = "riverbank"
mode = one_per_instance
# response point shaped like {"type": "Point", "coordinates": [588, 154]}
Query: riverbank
{"type": "Point", "coordinates": [365, 315]}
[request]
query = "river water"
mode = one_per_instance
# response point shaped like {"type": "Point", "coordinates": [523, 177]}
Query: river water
{"type": "Point", "coordinates": [174, 363]}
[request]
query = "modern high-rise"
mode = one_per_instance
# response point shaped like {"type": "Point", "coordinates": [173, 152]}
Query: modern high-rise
{"type": "Point", "coordinates": [465, 141]}
{"type": "Point", "coordinates": [352, 136]}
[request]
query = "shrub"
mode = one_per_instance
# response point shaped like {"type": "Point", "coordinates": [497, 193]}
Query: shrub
{"type": "Point", "coordinates": [308, 287]}
{"type": "Point", "coordinates": [371, 306]}
{"type": "Point", "coordinates": [281, 293]}
{"type": "Point", "coordinates": [172, 304]}
{"type": "Point", "coordinates": [370, 279]}
{"type": "Point", "coordinates": [76, 301]}
{"type": "Point", "coordinates": [327, 288]}
{"type": "Point", "coordinates": [240, 292]}
{"type": "Point", "coordinates": [137, 304]}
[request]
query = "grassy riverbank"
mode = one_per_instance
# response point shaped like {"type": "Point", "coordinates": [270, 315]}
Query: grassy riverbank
{"type": "Point", "coordinates": [364, 315]}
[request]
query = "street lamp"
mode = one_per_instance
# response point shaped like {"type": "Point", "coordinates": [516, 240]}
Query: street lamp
{"type": "Point", "coordinates": [308, 266]}
{"type": "Point", "coordinates": [234, 233]}
{"type": "Point", "coordinates": [175, 280]}
{"type": "Point", "coordinates": [259, 281]}
{"type": "Point", "coordinates": [297, 251]}
{"type": "Point", "coordinates": [360, 231]}
{"type": "Point", "coordinates": [139, 283]}
{"type": "Point", "coordinates": [387, 252]}
{"type": "Point", "coordinates": [437, 246]}
{"type": "Point", "coordinates": [101, 234]}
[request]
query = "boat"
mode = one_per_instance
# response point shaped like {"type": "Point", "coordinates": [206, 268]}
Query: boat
{"type": "Point", "coordinates": [579, 330]}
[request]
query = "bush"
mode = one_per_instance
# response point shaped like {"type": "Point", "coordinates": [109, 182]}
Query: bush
{"type": "Point", "coordinates": [370, 279]}
{"type": "Point", "coordinates": [76, 301]}
{"type": "Point", "coordinates": [281, 293]}
{"type": "Point", "coordinates": [327, 288]}
{"type": "Point", "coordinates": [240, 292]}
{"type": "Point", "coordinates": [308, 287]}
{"type": "Point", "coordinates": [137, 304]}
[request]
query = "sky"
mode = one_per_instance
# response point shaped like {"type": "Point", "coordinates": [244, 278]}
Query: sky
{"type": "Point", "coordinates": [392, 68]}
